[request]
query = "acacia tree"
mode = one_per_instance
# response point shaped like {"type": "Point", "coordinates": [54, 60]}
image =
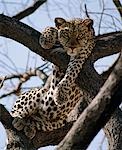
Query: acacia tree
{"type": "Point", "coordinates": [104, 96]}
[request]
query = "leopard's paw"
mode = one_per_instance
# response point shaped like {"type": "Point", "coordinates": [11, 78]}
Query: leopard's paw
{"type": "Point", "coordinates": [18, 123]}
{"type": "Point", "coordinates": [30, 131]}
{"type": "Point", "coordinates": [48, 37]}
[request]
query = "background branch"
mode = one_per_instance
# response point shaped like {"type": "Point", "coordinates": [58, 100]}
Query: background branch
{"type": "Point", "coordinates": [29, 10]}
{"type": "Point", "coordinates": [23, 77]}
{"type": "Point", "coordinates": [118, 6]}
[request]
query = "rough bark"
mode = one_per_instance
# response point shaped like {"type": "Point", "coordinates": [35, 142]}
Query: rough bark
{"type": "Point", "coordinates": [107, 44]}
{"type": "Point", "coordinates": [114, 136]}
{"type": "Point", "coordinates": [93, 117]}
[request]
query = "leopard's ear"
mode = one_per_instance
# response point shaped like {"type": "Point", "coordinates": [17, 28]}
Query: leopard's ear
{"type": "Point", "coordinates": [88, 22]}
{"type": "Point", "coordinates": [59, 22]}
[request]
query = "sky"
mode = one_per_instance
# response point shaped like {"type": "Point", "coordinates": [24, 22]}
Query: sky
{"type": "Point", "coordinates": [40, 19]}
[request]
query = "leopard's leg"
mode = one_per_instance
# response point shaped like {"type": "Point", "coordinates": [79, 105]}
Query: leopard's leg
{"type": "Point", "coordinates": [26, 125]}
{"type": "Point", "coordinates": [27, 103]}
{"type": "Point", "coordinates": [75, 65]}
{"type": "Point", "coordinates": [25, 107]}
{"type": "Point", "coordinates": [41, 94]}
{"type": "Point", "coordinates": [18, 123]}
{"type": "Point", "coordinates": [48, 37]}
{"type": "Point", "coordinates": [68, 81]}
{"type": "Point", "coordinates": [57, 75]}
{"type": "Point", "coordinates": [54, 124]}
{"type": "Point", "coordinates": [48, 103]}
{"type": "Point", "coordinates": [30, 128]}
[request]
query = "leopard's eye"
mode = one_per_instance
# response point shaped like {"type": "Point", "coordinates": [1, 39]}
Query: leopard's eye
{"type": "Point", "coordinates": [64, 33]}
{"type": "Point", "coordinates": [79, 37]}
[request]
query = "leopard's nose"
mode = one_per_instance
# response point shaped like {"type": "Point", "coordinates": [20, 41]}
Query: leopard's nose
{"type": "Point", "coordinates": [72, 48]}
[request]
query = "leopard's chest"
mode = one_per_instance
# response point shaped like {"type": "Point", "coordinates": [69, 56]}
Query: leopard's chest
{"type": "Point", "coordinates": [51, 111]}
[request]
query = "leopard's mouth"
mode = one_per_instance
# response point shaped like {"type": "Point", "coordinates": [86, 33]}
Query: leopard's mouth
{"type": "Point", "coordinates": [73, 52]}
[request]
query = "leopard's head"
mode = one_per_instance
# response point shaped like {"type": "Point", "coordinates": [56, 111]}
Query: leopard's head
{"type": "Point", "coordinates": [74, 35]}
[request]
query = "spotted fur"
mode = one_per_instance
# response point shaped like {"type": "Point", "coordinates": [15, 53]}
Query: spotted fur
{"type": "Point", "coordinates": [48, 109]}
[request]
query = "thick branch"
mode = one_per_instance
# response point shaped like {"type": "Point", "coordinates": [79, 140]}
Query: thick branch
{"type": "Point", "coordinates": [11, 28]}
{"type": "Point", "coordinates": [96, 115]}
{"type": "Point", "coordinates": [16, 139]}
{"type": "Point", "coordinates": [106, 44]}
{"type": "Point", "coordinates": [41, 139]}
{"type": "Point", "coordinates": [29, 10]}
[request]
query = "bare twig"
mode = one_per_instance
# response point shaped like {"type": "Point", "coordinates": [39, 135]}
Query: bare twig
{"type": "Point", "coordinates": [14, 68]}
{"type": "Point", "coordinates": [106, 14]}
{"type": "Point", "coordinates": [86, 12]}
{"type": "Point", "coordinates": [1, 82]}
{"type": "Point", "coordinates": [22, 79]}
{"type": "Point", "coordinates": [28, 57]}
{"type": "Point", "coordinates": [29, 10]}
{"type": "Point", "coordinates": [101, 17]}
{"type": "Point", "coordinates": [118, 6]}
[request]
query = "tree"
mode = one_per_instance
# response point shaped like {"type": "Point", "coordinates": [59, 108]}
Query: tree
{"type": "Point", "coordinates": [102, 106]}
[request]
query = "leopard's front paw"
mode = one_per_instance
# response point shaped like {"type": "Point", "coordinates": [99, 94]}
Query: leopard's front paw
{"type": "Point", "coordinates": [48, 37]}
{"type": "Point", "coordinates": [18, 123]}
{"type": "Point", "coordinates": [30, 131]}
{"type": "Point", "coordinates": [60, 96]}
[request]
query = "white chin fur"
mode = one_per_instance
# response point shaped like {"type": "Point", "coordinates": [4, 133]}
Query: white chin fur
{"type": "Point", "coordinates": [71, 54]}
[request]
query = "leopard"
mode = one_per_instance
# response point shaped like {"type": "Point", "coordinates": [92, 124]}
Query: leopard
{"type": "Point", "coordinates": [47, 109]}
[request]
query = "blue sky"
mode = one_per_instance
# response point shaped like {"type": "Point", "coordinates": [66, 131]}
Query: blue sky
{"type": "Point", "coordinates": [42, 18]}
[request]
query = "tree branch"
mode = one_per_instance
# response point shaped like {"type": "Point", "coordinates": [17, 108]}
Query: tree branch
{"type": "Point", "coordinates": [41, 139]}
{"type": "Point", "coordinates": [118, 6]}
{"type": "Point", "coordinates": [106, 44]}
{"type": "Point", "coordinates": [29, 10]}
{"type": "Point", "coordinates": [13, 29]}
{"type": "Point", "coordinates": [15, 137]}
{"type": "Point", "coordinates": [96, 115]}
{"type": "Point", "coordinates": [23, 77]}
